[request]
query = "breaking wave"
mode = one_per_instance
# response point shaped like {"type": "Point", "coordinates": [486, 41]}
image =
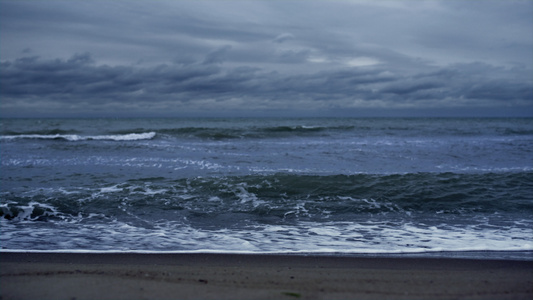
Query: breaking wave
{"type": "Point", "coordinates": [76, 137]}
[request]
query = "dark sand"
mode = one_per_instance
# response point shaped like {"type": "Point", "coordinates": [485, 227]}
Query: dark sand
{"type": "Point", "coordinates": [221, 276]}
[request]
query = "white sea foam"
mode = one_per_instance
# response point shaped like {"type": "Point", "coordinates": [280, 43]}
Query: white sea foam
{"type": "Point", "coordinates": [111, 189]}
{"type": "Point", "coordinates": [75, 137]}
{"type": "Point", "coordinates": [304, 237]}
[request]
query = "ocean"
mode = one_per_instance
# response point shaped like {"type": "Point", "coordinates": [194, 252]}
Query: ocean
{"type": "Point", "coordinates": [332, 186]}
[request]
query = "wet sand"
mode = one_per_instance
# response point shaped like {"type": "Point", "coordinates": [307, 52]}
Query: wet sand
{"type": "Point", "coordinates": [231, 276]}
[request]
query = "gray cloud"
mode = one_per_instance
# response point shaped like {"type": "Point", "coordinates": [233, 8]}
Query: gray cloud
{"type": "Point", "coordinates": [265, 58]}
{"type": "Point", "coordinates": [217, 56]}
{"type": "Point", "coordinates": [283, 37]}
{"type": "Point", "coordinates": [80, 79]}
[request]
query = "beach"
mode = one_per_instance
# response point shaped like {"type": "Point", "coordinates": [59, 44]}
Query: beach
{"type": "Point", "coordinates": [256, 276]}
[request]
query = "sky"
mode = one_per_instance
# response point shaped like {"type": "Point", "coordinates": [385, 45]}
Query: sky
{"type": "Point", "coordinates": [360, 58]}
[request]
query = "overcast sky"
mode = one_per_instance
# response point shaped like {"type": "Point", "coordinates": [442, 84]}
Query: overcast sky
{"type": "Point", "coordinates": [266, 58]}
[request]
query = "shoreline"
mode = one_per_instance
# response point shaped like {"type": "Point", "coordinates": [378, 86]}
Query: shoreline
{"type": "Point", "coordinates": [519, 255]}
{"type": "Point", "coordinates": [28, 275]}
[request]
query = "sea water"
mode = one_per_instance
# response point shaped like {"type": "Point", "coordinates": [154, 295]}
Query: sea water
{"type": "Point", "coordinates": [338, 186]}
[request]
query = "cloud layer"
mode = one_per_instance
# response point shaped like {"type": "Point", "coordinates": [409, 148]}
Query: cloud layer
{"type": "Point", "coordinates": [257, 58]}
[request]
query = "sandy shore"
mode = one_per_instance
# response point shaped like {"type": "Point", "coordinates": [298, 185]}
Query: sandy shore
{"type": "Point", "coordinates": [219, 276]}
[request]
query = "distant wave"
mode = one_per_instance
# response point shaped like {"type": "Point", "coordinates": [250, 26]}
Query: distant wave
{"type": "Point", "coordinates": [76, 137]}
{"type": "Point", "coordinates": [251, 132]}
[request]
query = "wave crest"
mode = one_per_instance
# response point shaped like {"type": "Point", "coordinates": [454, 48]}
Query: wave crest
{"type": "Point", "coordinates": [76, 137]}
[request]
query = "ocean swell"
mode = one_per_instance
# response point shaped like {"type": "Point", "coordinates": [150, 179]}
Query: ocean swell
{"type": "Point", "coordinates": [76, 137]}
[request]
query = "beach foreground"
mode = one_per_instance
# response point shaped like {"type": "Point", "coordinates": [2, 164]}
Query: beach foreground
{"type": "Point", "coordinates": [228, 276]}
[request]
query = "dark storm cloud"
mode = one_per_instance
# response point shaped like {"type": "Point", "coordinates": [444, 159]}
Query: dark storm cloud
{"type": "Point", "coordinates": [79, 79]}
{"type": "Point", "coordinates": [259, 58]}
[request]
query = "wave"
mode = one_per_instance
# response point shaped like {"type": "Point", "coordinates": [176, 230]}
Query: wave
{"type": "Point", "coordinates": [76, 137]}
{"type": "Point", "coordinates": [286, 196]}
{"type": "Point", "coordinates": [252, 132]}
{"type": "Point", "coordinates": [277, 213]}
{"type": "Point", "coordinates": [41, 132]}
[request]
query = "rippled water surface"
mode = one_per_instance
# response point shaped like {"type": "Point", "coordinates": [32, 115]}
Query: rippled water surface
{"type": "Point", "coordinates": [267, 185]}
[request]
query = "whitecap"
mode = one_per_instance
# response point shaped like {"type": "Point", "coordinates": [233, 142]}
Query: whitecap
{"type": "Point", "coordinates": [75, 137]}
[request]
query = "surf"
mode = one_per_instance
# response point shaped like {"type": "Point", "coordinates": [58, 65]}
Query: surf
{"type": "Point", "coordinates": [76, 137]}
